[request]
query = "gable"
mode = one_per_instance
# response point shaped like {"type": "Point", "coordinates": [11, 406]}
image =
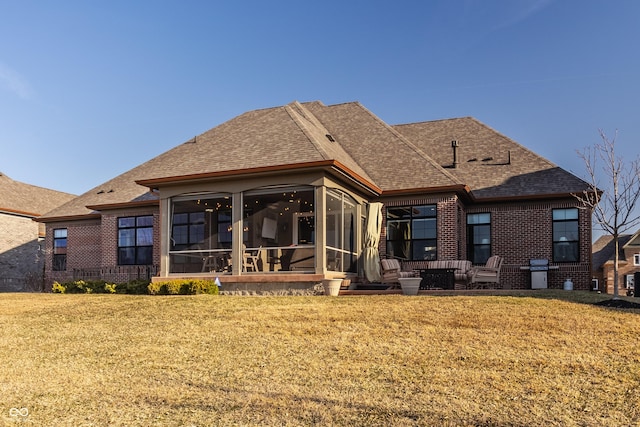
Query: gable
{"type": "Point", "coordinates": [634, 241]}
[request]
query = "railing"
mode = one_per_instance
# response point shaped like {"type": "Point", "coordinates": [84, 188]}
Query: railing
{"type": "Point", "coordinates": [118, 274]}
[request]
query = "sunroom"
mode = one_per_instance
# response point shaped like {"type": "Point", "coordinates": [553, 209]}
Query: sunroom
{"type": "Point", "coordinates": [273, 233]}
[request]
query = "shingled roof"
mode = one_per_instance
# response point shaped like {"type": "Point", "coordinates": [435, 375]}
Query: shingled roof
{"type": "Point", "coordinates": [28, 200]}
{"type": "Point", "coordinates": [389, 159]}
{"type": "Point", "coordinates": [491, 164]}
{"type": "Point", "coordinates": [603, 248]}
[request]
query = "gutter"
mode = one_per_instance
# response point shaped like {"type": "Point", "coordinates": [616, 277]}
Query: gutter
{"type": "Point", "coordinates": [322, 164]}
{"type": "Point", "coordinates": [68, 218]}
{"type": "Point", "coordinates": [17, 212]}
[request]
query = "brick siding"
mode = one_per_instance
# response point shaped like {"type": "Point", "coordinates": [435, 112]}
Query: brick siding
{"type": "Point", "coordinates": [520, 231]}
{"type": "Point", "coordinates": [21, 256]}
{"type": "Point", "coordinates": [624, 268]}
{"type": "Point", "coordinates": [93, 245]}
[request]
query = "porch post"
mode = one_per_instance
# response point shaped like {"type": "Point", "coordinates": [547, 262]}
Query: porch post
{"type": "Point", "coordinates": [165, 232]}
{"type": "Point", "coordinates": [321, 226]}
{"type": "Point", "coordinates": [236, 234]}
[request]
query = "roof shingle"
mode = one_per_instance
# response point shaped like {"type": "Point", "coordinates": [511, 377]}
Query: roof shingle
{"type": "Point", "coordinates": [394, 158]}
{"type": "Point", "coordinates": [29, 199]}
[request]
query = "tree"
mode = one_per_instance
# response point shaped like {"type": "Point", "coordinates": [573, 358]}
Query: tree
{"type": "Point", "coordinates": [612, 202]}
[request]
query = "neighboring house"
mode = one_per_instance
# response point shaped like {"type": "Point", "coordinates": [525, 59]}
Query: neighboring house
{"type": "Point", "coordinates": [279, 197]}
{"type": "Point", "coordinates": [21, 258]}
{"type": "Point", "coordinates": [628, 262]}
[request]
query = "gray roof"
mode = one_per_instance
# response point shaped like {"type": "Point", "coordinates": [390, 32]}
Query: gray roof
{"type": "Point", "coordinates": [29, 200]}
{"type": "Point", "coordinates": [491, 164]}
{"type": "Point", "coordinates": [392, 158]}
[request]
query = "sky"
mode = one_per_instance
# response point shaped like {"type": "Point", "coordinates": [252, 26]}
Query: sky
{"type": "Point", "coordinates": [90, 89]}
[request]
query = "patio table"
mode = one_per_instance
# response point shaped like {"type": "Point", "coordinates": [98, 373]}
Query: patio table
{"type": "Point", "coordinates": [437, 278]}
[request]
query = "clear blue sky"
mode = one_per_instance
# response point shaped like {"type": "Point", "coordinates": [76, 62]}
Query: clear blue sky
{"type": "Point", "coordinates": [90, 89]}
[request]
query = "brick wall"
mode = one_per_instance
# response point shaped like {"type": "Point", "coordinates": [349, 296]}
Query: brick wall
{"type": "Point", "coordinates": [520, 231]}
{"type": "Point", "coordinates": [83, 248]}
{"type": "Point", "coordinates": [20, 250]}
{"type": "Point", "coordinates": [93, 244]}
{"type": "Point", "coordinates": [625, 267]}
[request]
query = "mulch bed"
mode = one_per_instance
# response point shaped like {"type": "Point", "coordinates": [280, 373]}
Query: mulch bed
{"type": "Point", "coordinates": [618, 303]}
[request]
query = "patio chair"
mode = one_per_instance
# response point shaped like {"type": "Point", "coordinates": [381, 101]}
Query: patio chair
{"type": "Point", "coordinates": [489, 274]}
{"type": "Point", "coordinates": [250, 259]}
{"type": "Point", "coordinates": [392, 271]}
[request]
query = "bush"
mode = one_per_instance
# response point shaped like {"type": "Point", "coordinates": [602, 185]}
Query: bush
{"type": "Point", "coordinates": [183, 287]}
{"type": "Point", "coordinates": [134, 287]}
{"type": "Point", "coordinates": [138, 287]}
{"type": "Point", "coordinates": [84, 287]}
{"type": "Point", "coordinates": [58, 288]}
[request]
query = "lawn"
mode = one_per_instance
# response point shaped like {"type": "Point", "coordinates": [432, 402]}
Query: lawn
{"type": "Point", "coordinates": [118, 360]}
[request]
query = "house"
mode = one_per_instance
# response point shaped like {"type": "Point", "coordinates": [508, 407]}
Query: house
{"type": "Point", "coordinates": [21, 258]}
{"type": "Point", "coordinates": [283, 196]}
{"type": "Point", "coordinates": [628, 262]}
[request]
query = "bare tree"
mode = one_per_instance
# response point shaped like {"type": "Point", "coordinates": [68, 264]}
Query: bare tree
{"type": "Point", "coordinates": [614, 200]}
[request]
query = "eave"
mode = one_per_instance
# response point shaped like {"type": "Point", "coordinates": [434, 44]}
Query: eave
{"type": "Point", "coordinates": [333, 165]}
{"type": "Point", "coordinates": [461, 189]}
{"type": "Point", "coordinates": [526, 197]}
{"type": "Point", "coordinates": [18, 212]}
{"type": "Point", "coordinates": [68, 218]}
{"type": "Point", "coordinates": [123, 205]}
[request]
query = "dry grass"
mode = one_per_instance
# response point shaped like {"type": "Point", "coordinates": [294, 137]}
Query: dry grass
{"type": "Point", "coordinates": [110, 360]}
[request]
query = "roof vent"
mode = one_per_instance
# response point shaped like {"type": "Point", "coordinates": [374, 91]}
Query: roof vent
{"type": "Point", "coordinates": [330, 138]}
{"type": "Point", "coordinates": [454, 146]}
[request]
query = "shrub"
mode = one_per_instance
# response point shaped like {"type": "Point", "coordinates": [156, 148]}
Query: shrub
{"type": "Point", "coordinates": [58, 288]}
{"type": "Point", "coordinates": [135, 287]}
{"type": "Point", "coordinates": [100, 287]}
{"type": "Point", "coordinates": [138, 286]}
{"type": "Point", "coordinates": [183, 287]}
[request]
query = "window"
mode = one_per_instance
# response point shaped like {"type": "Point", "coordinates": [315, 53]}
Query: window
{"type": "Point", "coordinates": [279, 228]}
{"type": "Point", "coordinates": [412, 232]}
{"type": "Point", "coordinates": [479, 237]}
{"type": "Point", "coordinates": [201, 230]}
{"type": "Point", "coordinates": [187, 229]}
{"type": "Point", "coordinates": [636, 259]}
{"type": "Point", "coordinates": [341, 232]}
{"type": "Point", "coordinates": [59, 249]}
{"type": "Point", "coordinates": [629, 281]}
{"type": "Point", "coordinates": [565, 235]}
{"type": "Point", "coordinates": [135, 240]}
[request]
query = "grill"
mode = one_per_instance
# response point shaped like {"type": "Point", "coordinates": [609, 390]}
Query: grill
{"type": "Point", "coordinates": [539, 267]}
{"type": "Point", "coordinates": [541, 264]}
